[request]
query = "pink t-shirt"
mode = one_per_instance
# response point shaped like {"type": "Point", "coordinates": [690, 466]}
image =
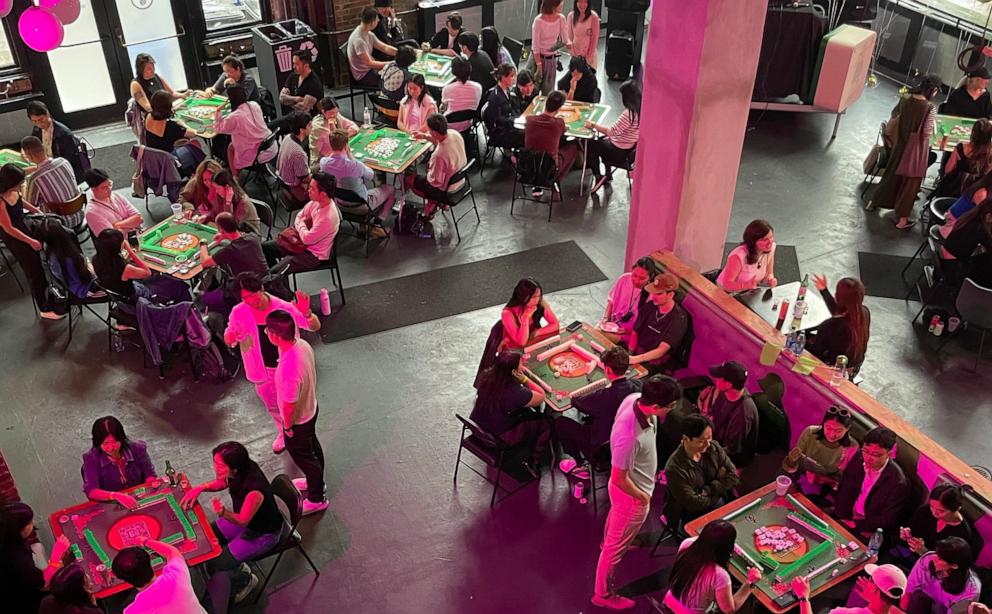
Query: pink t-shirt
{"type": "Point", "coordinates": [585, 36]}
{"type": "Point", "coordinates": [545, 34]}
{"type": "Point", "coordinates": [170, 593]}
{"type": "Point", "coordinates": [296, 382]}
{"type": "Point", "coordinates": [243, 324]}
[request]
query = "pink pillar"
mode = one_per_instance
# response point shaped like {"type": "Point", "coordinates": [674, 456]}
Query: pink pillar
{"type": "Point", "coordinates": [698, 76]}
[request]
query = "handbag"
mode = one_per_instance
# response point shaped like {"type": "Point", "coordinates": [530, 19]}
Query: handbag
{"type": "Point", "coordinates": [289, 241]}
{"type": "Point", "coordinates": [138, 188]}
{"type": "Point", "coordinates": [915, 155]}
{"type": "Point", "coordinates": [871, 160]}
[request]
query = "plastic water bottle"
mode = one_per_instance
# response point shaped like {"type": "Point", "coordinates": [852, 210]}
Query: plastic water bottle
{"type": "Point", "coordinates": [875, 543]}
{"type": "Point", "coordinates": [800, 344]}
{"type": "Point", "coordinates": [325, 302]}
{"type": "Point", "coordinates": [367, 119]}
{"type": "Point", "coordinates": [840, 371]}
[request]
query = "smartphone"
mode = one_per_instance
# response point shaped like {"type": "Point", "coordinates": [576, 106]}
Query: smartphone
{"type": "Point", "coordinates": [574, 326]}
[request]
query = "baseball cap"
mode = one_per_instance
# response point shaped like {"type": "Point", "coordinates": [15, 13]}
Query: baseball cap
{"type": "Point", "coordinates": [666, 282]}
{"type": "Point", "coordinates": [732, 371]}
{"type": "Point", "coordinates": [888, 578]}
{"type": "Point", "coordinates": [980, 73]}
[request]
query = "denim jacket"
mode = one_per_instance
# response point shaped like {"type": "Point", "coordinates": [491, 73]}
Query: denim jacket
{"type": "Point", "coordinates": [99, 471]}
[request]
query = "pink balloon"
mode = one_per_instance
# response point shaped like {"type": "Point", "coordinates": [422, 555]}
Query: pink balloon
{"type": "Point", "coordinates": [66, 10]}
{"type": "Point", "coordinates": [5, 7]}
{"type": "Point", "coordinates": [40, 29]}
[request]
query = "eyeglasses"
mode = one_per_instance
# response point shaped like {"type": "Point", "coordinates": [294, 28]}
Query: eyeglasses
{"type": "Point", "coordinates": [833, 410]}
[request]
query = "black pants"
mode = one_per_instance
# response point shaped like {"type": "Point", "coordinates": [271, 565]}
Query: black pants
{"type": "Point", "coordinates": [371, 79]}
{"type": "Point", "coordinates": [304, 261]}
{"type": "Point", "coordinates": [424, 189]}
{"type": "Point", "coordinates": [533, 432]}
{"type": "Point", "coordinates": [610, 154]}
{"type": "Point", "coordinates": [30, 262]}
{"type": "Point", "coordinates": [509, 139]}
{"type": "Point", "coordinates": [304, 448]}
{"type": "Point", "coordinates": [575, 439]}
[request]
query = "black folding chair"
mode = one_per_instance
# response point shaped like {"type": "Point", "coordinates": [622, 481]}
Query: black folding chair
{"type": "Point", "coordinates": [361, 217]}
{"type": "Point", "coordinates": [494, 452]}
{"type": "Point", "coordinates": [515, 48]}
{"type": "Point", "coordinates": [265, 215]}
{"type": "Point", "coordinates": [283, 489]}
{"type": "Point", "coordinates": [260, 170]}
{"type": "Point", "coordinates": [331, 264]}
{"type": "Point", "coordinates": [387, 110]}
{"type": "Point", "coordinates": [452, 199]}
{"type": "Point", "coordinates": [536, 171]}
{"type": "Point", "coordinates": [354, 87]}
{"type": "Point", "coordinates": [470, 134]}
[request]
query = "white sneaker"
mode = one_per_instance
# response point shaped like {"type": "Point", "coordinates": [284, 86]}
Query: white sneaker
{"type": "Point", "coordinates": [246, 591]}
{"type": "Point", "coordinates": [279, 444]}
{"type": "Point", "coordinates": [51, 315]}
{"type": "Point", "coordinates": [309, 507]}
{"type": "Point", "coordinates": [613, 602]}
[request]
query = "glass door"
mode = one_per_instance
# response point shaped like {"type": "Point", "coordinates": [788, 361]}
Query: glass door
{"type": "Point", "coordinates": [148, 26]}
{"type": "Point", "coordinates": [81, 68]}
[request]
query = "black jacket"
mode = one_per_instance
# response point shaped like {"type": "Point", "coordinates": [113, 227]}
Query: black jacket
{"type": "Point", "coordinates": [602, 406]}
{"type": "Point", "coordinates": [499, 114]}
{"type": "Point", "coordinates": [64, 145]}
{"type": "Point", "coordinates": [886, 503]}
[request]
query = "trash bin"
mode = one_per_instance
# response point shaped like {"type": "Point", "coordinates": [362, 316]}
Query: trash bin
{"type": "Point", "coordinates": [275, 44]}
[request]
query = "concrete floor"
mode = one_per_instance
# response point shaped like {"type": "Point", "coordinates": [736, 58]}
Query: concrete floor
{"type": "Point", "coordinates": [397, 537]}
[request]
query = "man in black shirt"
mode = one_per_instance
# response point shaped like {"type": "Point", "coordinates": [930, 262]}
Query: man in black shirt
{"type": "Point", "coordinates": [481, 63]}
{"type": "Point", "coordinates": [524, 92]}
{"type": "Point", "coordinates": [240, 253]}
{"type": "Point", "coordinates": [389, 29]}
{"type": "Point", "coordinates": [734, 414]}
{"type": "Point", "coordinates": [303, 88]}
{"type": "Point", "coordinates": [445, 42]}
{"type": "Point", "coordinates": [234, 73]}
{"type": "Point", "coordinates": [581, 441]}
{"type": "Point", "coordinates": [659, 333]}
{"type": "Point", "coordinates": [971, 99]}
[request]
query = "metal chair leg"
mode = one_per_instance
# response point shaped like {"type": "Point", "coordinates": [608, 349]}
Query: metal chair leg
{"type": "Point", "coordinates": [307, 557]}
{"type": "Point", "coordinates": [268, 577]}
{"type": "Point", "coordinates": [916, 255]}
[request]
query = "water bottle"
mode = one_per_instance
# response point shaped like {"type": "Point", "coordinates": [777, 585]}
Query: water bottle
{"type": "Point", "coordinates": [800, 343]}
{"type": "Point", "coordinates": [875, 543]}
{"type": "Point", "coordinates": [840, 371]}
{"type": "Point", "coordinates": [578, 491]}
{"type": "Point", "coordinates": [367, 117]}
{"type": "Point", "coordinates": [325, 302]}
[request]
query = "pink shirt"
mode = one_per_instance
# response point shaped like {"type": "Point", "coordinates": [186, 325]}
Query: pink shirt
{"type": "Point", "coordinates": [624, 299]}
{"type": "Point", "coordinates": [101, 215]}
{"type": "Point", "coordinates": [247, 128]}
{"type": "Point", "coordinates": [296, 382]}
{"type": "Point", "coordinates": [448, 158]}
{"type": "Point", "coordinates": [585, 36]}
{"type": "Point", "coordinates": [317, 227]}
{"type": "Point", "coordinates": [170, 593]}
{"type": "Point", "coordinates": [243, 324]}
{"type": "Point", "coordinates": [415, 115]}
{"type": "Point", "coordinates": [545, 34]}
{"type": "Point", "coordinates": [461, 97]}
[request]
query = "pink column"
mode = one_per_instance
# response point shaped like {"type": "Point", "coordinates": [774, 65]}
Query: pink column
{"type": "Point", "coordinates": [698, 76]}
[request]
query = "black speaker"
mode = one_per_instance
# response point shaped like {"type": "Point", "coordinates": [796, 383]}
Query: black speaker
{"type": "Point", "coordinates": [619, 55]}
{"type": "Point", "coordinates": [634, 6]}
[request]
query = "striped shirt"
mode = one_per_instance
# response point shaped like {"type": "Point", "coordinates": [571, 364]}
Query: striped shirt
{"type": "Point", "coordinates": [54, 183]}
{"type": "Point", "coordinates": [623, 133]}
{"type": "Point", "coordinates": [292, 163]}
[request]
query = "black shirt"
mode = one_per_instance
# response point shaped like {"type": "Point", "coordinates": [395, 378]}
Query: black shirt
{"type": "Point", "coordinates": [500, 414]}
{"type": "Point", "coordinates": [110, 275]}
{"type": "Point", "coordinates": [441, 40]}
{"type": "Point", "coordinates": [482, 70]}
{"type": "Point", "coordinates": [961, 104]}
{"type": "Point", "coordinates": [519, 102]}
{"type": "Point", "coordinates": [964, 239]}
{"type": "Point", "coordinates": [602, 406]}
{"type": "Point", "coordinates": [150, 86]}
{"type": "Point", "coordinates": [167, 142]}
{"type": "Point", "coordinates": [585, 89]}
{"type": "Point", "coordinates": [270, 353]}
{"type": "Point", "coordinates": [924, 526]}
{"type": "Point", "coordinates": [241, 255]}
{"type": "Point", "coordinates": [21, 583]}
{"type": "Point", "coordinates": [311, 86]}
{"type": "Point", "coordinates": [268, 518]}
{"type": "Point", "coordinates": [653, 329]}
{"type": "Point", "coordinates": [50, 606]}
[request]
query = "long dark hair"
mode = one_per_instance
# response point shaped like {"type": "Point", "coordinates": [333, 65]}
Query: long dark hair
{"type": "Point", "coordinates": [237, 96]}
{"type": "Point", "coordinates": [68, 586]}
{"type": "Point", "coordinates": [499, 376]}
{"type": "Point", "coordinates": [578, 17]}
{"type": "Point", "coordinates": [955, 551]}
{"type": "Point", "coordinates": [61, 244]}
{"type": "Point", "coordinates": [981, 146]}
{"type": "Point", "coordinates": [843, 419]}
{"type": "Point", "coordinates": [754, 232]}
{"type": "Point", "coordinates": [949, 495]}
{"type": "Point", "coordinates": [977, 215]}
{"type": "Point", "coordinates": [418, 79]}
{"type": "Point", "coordinates": [225, 178]}
{"type": "Point", "coordinates": [108, 425]}
{"type": "Point", "coordinates": [928, 87]}
{"type": "Point", "coordinates": [108, 251]}
{"type": "Point", "coordinates": [850, 298]}
{"type": "Point", "coordinates": [490, 43]}
{"type": "Point", "coordinates": [630, 94]}
{"type": "Point", "coordinates": [522, 292]}
{"type": "Point", "coordinates": [714, 546]}
{"type": "Point", "coordinates": [14, 517]}
{"type": "Point", "coordinates": [235, 456]}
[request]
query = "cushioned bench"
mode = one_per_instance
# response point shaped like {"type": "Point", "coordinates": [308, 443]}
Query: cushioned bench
{"type": "Point", "coordinates": [726, 330]}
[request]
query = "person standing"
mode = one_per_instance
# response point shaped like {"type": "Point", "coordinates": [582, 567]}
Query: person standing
{"type": "Point", "coordinates": [632, 479]}
{"type": "Point", "coordinates": [909, 158]}
{"type": "Point", "coordinates": [583, 29]}
{"type": "Point", "coordinates": [260, 356]}
{"type": "Point", "coordinates": [548, 28]}
{"type": "Point", "coordinates": [296, 393]}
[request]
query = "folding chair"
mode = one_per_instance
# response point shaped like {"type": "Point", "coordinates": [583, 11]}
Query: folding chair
{"type": "Point", "coordinates": [494, 452]}
{"type": "Point", "coordinates": [361, 217]}
{"type": "Point", "coordinates": [259, 169]}
{"type": "Point", "coordinates": [283, 489]}
{"type": "Point", "coordinates": [515, 48]}
{"type": "Point", "coordinates": [331, 264]}
{"type": "Point", "coordinates": [387, 110]}
{"type": "Point", "coordinates": [452, 199]}
{"type": "Point", "coordinates": [265, 215]}
{"type": "Point", "coordinates": [470, 134]}
{"type": "Point", "coordinates": [354, 87]}
{"type": "Point", "coordinates": [535, 170]}
{"type": "Point", "coordinates": [974, 305]}
{"type": "Point", "coordinates": [70, 208]}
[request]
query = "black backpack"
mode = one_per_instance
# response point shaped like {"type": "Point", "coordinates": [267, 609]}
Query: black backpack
{"type": "Point", "coordinates": [403, 224]}
{"type": "Point", "coordinates": [214, 362]}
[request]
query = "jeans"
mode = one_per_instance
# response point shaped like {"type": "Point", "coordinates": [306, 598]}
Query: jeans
{"type": "Point", "coordinates": [623, 523]}
{"type": "Point", "coordinates": [304, 448]}
{"type": "Point", "coordinates": [240, 544]}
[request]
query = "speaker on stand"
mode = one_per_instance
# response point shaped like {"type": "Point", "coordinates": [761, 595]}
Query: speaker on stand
{"type": "Point", "coordinates": [624, 37]}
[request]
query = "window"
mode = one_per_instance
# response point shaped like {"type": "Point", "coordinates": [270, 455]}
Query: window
{"type": "Point", "coordinates": [970, 10]}
{"type": "Point", "coordinates": [220, 14]}
{"type": "Point", "coordinates": [7, 59]}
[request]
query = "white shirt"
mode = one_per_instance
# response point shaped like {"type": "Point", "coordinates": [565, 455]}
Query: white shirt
{"type": "Point", "coordinates": [296, 382]}
{"type": "Point", "coordinates": [871, 476]}
{"type": "Point", "coordinates": [170, 593]}
{"type": "Point", "coordinates": [244, 323]}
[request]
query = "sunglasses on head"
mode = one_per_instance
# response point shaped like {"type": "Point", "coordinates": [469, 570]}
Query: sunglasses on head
{"type": "Point", "coordinates": [833, 410]}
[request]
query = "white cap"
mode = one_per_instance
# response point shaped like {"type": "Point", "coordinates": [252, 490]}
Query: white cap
{"type": "Point", "coordinates": [888, 578]}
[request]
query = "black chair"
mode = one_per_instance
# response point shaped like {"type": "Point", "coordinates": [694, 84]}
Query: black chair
{"type": "Point", "coordinates": [974, 305]}
{"type": "Point", "coordinates": [76, 303]}
{"type": "Point", "coordinates": [933, 275]}
{"type": "Point", "coordinates": [671, 523]}
{"type": "Point", "coordinates": [490, 152]}
{"type": "Point", "coordinates": [354, 87]}
{"type": "Point", "coordinates": [173, 184]}
{"type": "Point", "coordinates": [361, 217]}
{"type": "Point", "coordinates": [72, 207]}
{"type": "Point", "coordinates": [879, 165]}
{"type": "Point", "coordinates": [331, 264]}
{"type": "Point", "coordinates": [536, 171]}
{"type": "Point", "coordinates": [260, 170]}
{"type": "Point", "coordinates": [932, 235]}
{"type": "Point", "coordinates": [283, 489]}
{"type": "Point", "coordinates": [8, 267]}
{"type": "Point", "coordinates": [284, 196]}
{"type": "Point", "coordinates": [387, 110]}
{"type": "Point", "coordinates": [935, 213]}
{"type": "Point", "coordinates": [470, 134]}
{"type": "Point", "coordinates": [265, 215]}
{"type": "Point", "coordinates": [494, 452]}
{"type": "Point", "coordinates": [452, 199]}
{"type": "Point", "coordinates": [515, 48]}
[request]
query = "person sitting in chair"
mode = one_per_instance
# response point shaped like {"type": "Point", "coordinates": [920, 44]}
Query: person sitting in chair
{"type": "Point", "coordinates": [351, 174]}
{"type": "Point", "coordinates": [873, 490]}
{"type": "Point", "coordinates": [325, 122]}
{"type": "Point", "coordinates": [544, 133]}
{"type": "Point", "coordinates": [303, 88]}
{"type": "Point", "coordinates": [396, 74]}
{"type": "Point", "coordinates": [315, 227]}
{"type": "Point", "coordinates": [462, 94]}
{"type": "Point", "coordinates": [108, 209]}
{"type": "Point", "coordinates": [57, 139]}
{"type": "Point", "coordinates": [524, 92]}
{"type": "Point", "coordinates": [234, 73]}
{"type": "Point", "coordinates": [248, 131]}
{"type": "Point", "coordinates": [659, 332]}
{"type": "Point", "coordinates": [701, 477]}
{"type": "Point", "coordinates": [500, 113]}
{"type": "Point", "coordinates": [479, 60]}
{"type": "Point", "coordinates": [579, 83]}
{"type": "Point", "coordinates": [364, 68]}
{"type": "Point", "coordinates": [445, 40]}
{"type": "Point", "coordinates": [627, 297]}
{"type": "Point", "coordinates": [52, 183]}
{"type": "Point", "coordinates": [448, 158]}
{"type": "Point", "coordinates": [293, 163]}
{"type": "Point", "coordinates": [170, 591]}
{"type": "Point", "coordinates": [733, 412]}
{"type": "Point", "coordinates": [416, 107]}
{"type": "Point", "coordinates": [621, 138]}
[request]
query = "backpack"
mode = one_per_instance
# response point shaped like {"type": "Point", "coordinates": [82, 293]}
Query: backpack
{"type": "Point", "coordinates": [403, 224]}
{"type": "Point", "coordinates": [214, 362]}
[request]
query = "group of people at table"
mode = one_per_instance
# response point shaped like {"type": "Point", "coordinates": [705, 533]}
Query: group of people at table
{"type": "Point", "coordinates": [965, 173]}
{"type": "Point", "coordinates": [281, 366]}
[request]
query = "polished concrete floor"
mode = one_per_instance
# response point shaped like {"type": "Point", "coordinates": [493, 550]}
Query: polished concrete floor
{"type": "Point", "coordinates": [398, 537]}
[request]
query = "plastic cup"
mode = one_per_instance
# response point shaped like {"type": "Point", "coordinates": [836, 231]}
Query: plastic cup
{"type": "Point", "coordinates": [953, 323]}
{"type": "Point", "coordinates": [177, 211]}
{"type": "Point", "coordinates": [782, 484]}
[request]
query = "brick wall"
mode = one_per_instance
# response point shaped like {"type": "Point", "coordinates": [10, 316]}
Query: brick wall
{"type": "Point", "coordinates": [347, 15]}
